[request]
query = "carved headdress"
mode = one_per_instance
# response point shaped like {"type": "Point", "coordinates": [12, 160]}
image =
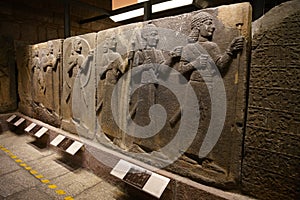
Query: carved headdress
{"type": "Point", "coordinates": [76, 42]}
{"type": "Point", "coordinates": [200, 18]}
{"type": "Point", "coordinates": [147, 30]}
{"type": "Point", "coordinates": [196, 21]}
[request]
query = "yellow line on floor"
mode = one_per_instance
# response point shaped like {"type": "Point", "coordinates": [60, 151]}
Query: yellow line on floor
{"type": "Point", "coordinates": [45, 181]}
{"type": "Point", "coordinates": [35, 173]}
{"type": "Point", "coordinates": [60, 192]}
{"type": "Point", "coordinates": [68, 198]}
{"type": "Point", "coordinates": [39, 176]}
{"type": "Point", "coordinates": [52, 186]}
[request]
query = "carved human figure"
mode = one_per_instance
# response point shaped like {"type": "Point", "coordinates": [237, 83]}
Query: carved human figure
{"type": "Point", "coordinates": [200, 38]}
{"type": "Point", "coordinates": [49, 63]}
{"type": "Point", "coordinates": [38, 82]}
{"type": "Point", "coordinates": [74, 62]}
{"type": "Point", "coordinates": [111, 69]}
{"type": "Point", "coordinates": [149, 62]}
{"type": "Point", "coordinates": [196, 55]}
{"type": "Point", "coordinates": [112, 61]}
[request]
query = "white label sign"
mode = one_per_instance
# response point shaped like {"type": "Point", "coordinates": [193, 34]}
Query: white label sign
{"type": "Point", "coordinates": [30, 127]}
{"type": "Point", "coordinates": [75, 146]}
{"type": "Point", "coordinates": [41, 132]}
{"type": "Point", "coordinates": [20, 121]}
{"type": "Point", "coordinates": [154, 184]}
{"type": "Point", "coordinates": [57, 140]}
{"type": "Point", "coordinates": [11, 118]}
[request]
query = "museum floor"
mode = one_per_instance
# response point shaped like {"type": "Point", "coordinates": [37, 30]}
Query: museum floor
{"type": "Point", "coordinates": [30, 170]}
{"type": "Point", "coordinates": [27, 172]}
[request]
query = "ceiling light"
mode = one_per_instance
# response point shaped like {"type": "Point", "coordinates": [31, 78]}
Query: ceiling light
{"type": "Point", "coordinates": [127, 15]}
{"type": "Point", "coordinates": [155, 8]}
{"type": "Point", "coordinates": [170, 5]}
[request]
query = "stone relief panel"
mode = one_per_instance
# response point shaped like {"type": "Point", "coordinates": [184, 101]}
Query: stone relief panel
{"type": "Point", "coordinates": [45, 65]}
{"type": "Point", "coordinates": [78, 88]}
{"type": "Point", "coordinates": [8, 98]}
{"type": "Point", "coordinates": [110, 56]}
{"type": "Point", "coordinates": [133, 66]}
{"type": "Point", "coordinates": [170, 92]}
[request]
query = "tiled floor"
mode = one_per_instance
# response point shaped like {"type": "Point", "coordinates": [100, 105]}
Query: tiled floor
{"type": "Point", "coordinates": [27, 172]}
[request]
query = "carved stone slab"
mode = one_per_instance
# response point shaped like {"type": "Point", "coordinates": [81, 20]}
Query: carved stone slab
{"type": "Point", "coordinates": [272, 138]}
{"type": "Point", "coordinates": [78, 85]}
{"type": "Point", "coordinates": [45, 68]}
{"type": "Point", "coordinates": [40, 86]}
{"type": "Point", "coordinates": [210, 49]}
{"type": "Point", "coordinates": [170, 92]}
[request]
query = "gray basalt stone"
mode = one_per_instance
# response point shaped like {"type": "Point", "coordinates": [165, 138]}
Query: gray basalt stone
{"type": "Point", "coordinates": [78, 85]}
{"type": "Point", "coordinates": [143, 56]}
{"type": "Point", "coordinates": [23, 56]}
{"type": "Point", "coordinates": [170, 92]}
{"type": "Point", "coordinates": [45, 65]}
{"type": "Point", "coordinates": [271, 154]}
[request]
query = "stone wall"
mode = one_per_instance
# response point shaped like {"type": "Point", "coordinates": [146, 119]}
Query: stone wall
{"type": "Point", "coordinates": [34, 21]}
{"type": "Point", "coordinates": [8, 90]}
{"type": "Point", "coordinates": [270, 167]}
{"type": "Point", "coordinates": [106, 86]}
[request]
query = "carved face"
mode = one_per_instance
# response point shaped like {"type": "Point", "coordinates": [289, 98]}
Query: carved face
{"type": "Point", "coordinates": [50, 47]}
{"type": "Point", "coordinates": [207, 28]}
{"type": "Point", "coordinates": [105, 47]}
{"type": "Point", "coordinates": [77, 46]}
{"type": "Point", "coordinates": [35, 52]}
{"type": "Point", "coordinates": [113, 43]}
{"type": "Point", "coordinates": [152, 38]}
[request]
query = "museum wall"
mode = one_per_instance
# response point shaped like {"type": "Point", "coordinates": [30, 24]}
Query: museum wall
{"type": "Point", "coordinates": [70, 83]}
{"type": "Point", "coordinates": [34, 21]}
{"type": "Point", "coordinates": [270, 167]}
{"type": "Point", "coordinates": [31, 22]}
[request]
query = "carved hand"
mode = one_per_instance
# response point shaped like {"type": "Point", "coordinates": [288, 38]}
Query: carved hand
{"type": "Point", "coordinates": [76, 61]}
{"type": "Point", "coordinates": [176, 52]}
{"type": "Point", "coordinates": [236, 45]}
{"type": "Point", "coordinates": [148, 60]}
{"type": "Point", "coordinates": [91, 52]}
{"type": "Point", "coordinates": [58, 56]}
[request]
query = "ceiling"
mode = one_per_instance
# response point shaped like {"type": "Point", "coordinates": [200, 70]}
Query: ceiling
{"type": "Point", "coordinates": [86, 11]}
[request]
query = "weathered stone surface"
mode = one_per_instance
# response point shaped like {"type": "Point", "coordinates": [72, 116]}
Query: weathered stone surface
{"type": "Point", "coordinates": [24, 80]}
{"type": "Point", "coordinates": [8, 97]}
{"type": "Point", "coordinates": [78, 85]}
{"type": "Point", "coordinates": [39, 80]}
{"type": "Point", "coordinates": [271, 155]}
{"type": "Point", "coordinates": [111, 63]}
{"type": "Point", "coordinates": [45, 70]}
{"type": "Point", "coordinates": [157, 91]}
{"type": "Point", "coordinates": [136, 56]}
